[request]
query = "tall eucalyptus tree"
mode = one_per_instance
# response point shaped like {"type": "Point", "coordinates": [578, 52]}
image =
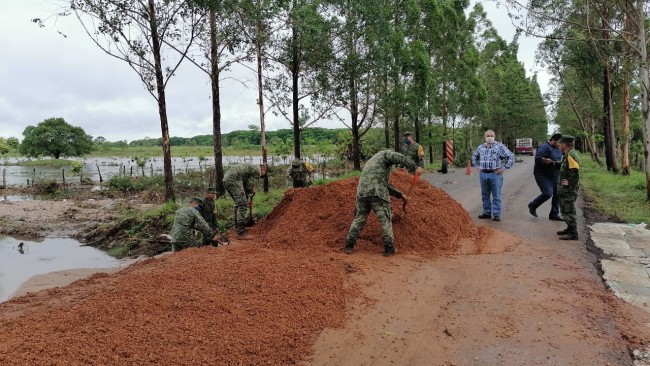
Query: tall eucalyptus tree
{"type": "Point", "coordinates": [138, 33]}
{"type": "Point", "coordinates": [303, 49]}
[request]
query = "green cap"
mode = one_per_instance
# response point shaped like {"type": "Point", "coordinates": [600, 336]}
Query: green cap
{"type": "Point", "coordinates": [407, 133]}
{"type": "Point", "coordinates": [211, 190]}
{"type": "Point", "coordinates": [197, 200]}
{"type": "Point", "coordinates": [567, 138]}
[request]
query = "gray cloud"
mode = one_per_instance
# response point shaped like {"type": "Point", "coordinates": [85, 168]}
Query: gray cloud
{"type": "Point", "coordinates": [44, 74]}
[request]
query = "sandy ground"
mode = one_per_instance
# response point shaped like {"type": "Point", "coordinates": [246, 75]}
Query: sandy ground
{"type": "Point", "coordinates": [522, 297]}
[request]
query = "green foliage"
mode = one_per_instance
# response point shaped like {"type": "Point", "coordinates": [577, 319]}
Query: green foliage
{"type": "Point", "coordinates": [621, 197]}
{"type": "Point", "coordinates": [135, 184]}
{"type": "Point", "coordinates": [55, 137]}
{"type": "Point", "coordinates": [77, 166]}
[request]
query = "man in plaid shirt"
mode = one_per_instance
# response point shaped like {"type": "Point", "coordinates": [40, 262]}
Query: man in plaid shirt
{"type": "Point", "coordinates": [492, 158]}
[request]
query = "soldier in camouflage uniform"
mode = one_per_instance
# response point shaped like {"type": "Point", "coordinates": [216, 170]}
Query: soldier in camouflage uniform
{"type": "Point", "coordinates": [238, 181]}
{"type": "Point", "coordinates": [568, 187]}
{"type": "Point", "coordinates": [207, 212]}
{"type": "Point", "coordinates": [413, 150]}
{"type": "Point", "coordinates": [187, 219]}
{"type": "Point", "coordinates": [373, 194]}
{"type": "Point", "coordinates": [299, 173]}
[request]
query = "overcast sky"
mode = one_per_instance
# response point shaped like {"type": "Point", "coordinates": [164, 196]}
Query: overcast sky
{"type": "Point", "coordinates": [44, 75]}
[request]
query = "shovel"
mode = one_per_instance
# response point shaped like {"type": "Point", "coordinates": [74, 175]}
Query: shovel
{"type": "Point", "coordinates": [250, 221]}
{"type": "Point", "coordinates": [415, 178]}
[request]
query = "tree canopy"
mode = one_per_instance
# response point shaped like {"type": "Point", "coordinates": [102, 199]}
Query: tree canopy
{"type": "Point", "coordinates": [55, 137]}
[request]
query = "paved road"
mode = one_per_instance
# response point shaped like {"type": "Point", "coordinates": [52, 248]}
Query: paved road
{"type": "Point", "coordinates": [519, 188]}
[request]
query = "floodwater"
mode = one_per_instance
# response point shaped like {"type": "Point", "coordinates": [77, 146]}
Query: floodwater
{"type": "Point", "coordinates": [18, 175]}
{"type": "Point", "coordinates": [52, 254]}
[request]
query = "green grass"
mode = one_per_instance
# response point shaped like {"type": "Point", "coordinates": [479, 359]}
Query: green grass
{"type": "Point", "coordinates": [621, 197]}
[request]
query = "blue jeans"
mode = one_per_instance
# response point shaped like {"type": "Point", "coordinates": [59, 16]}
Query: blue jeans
{"type": "Point", "coordinates": [491, 184]}
{"type": "Point", "coordinates": [548, 186]}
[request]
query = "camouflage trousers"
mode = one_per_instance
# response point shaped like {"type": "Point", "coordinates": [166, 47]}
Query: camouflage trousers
{"type": "Point", "coordinates": [184, 240]}
{"type": "Point", "coordinates": [568, 210]}
{"type": "Point", "coordinates": [383, 212]}
{"type": "Point", "coordinates": [236, 191]}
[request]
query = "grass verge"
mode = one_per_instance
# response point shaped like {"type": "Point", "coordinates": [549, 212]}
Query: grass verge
{"type": "Point", "coordinates": [617, 196]}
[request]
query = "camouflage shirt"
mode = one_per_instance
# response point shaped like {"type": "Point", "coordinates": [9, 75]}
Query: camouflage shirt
{"type": "Point", "coordinates": [186, 219]}
{"type": "Point", "coordinates": [373, 181]}
{"type": "Point", "coordinates": [242, 173]}
{"type": "Point", "coordinates": [570, 170]}
{"type": "Point", "coordinates": [207, 212]}
{"type": "Point", "coordinates": [415, 152]}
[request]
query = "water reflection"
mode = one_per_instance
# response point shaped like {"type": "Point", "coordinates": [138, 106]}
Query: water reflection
{"type": "Point", "coordinates": [20, 260]}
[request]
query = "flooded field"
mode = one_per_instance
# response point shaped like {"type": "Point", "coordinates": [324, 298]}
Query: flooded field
{"type": "Point", "coordinates": [19, 175]}
{"type": "Point", "coordinates": [20, 262]}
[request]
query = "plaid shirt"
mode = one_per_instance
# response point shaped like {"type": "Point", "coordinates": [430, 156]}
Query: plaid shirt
{"type": "Point", "coordinates": [493, 157]}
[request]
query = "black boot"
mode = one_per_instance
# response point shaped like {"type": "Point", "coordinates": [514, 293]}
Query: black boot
{"type": "Point", "coordinates": [389, 250]}
{"type": "Point", "coordinates": [571, 234]}
{"type": "Point", "coordinates": [349, 247]}
{"type": "Point", "coordinates": [563, 232]}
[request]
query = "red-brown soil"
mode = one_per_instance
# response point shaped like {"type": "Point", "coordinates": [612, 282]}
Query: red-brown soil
{"type": "Point", "coordinates": [292, 297]}
{"type": "Point", "coordinates": [253, 303]}
{"type": "Point", "coordinates": [319, 218]}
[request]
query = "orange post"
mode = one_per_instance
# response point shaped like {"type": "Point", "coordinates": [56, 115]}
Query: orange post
{"type": "Point", "coordinates": [468, 171]}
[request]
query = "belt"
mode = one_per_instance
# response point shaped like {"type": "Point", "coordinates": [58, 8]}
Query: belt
{"type": "Point", "coordinates": [487, 170]}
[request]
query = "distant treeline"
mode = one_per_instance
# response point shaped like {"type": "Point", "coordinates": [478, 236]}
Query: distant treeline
{"type": "Point", "coordinates": [251, 137]}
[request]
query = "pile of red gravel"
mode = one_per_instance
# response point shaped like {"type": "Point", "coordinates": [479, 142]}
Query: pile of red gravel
{"type": "Point", "coordinates": [205, 306]}
{"type": "Point", "coordinates": [319, 218]}
{"type": "Point", "coordinates": [258, 302]}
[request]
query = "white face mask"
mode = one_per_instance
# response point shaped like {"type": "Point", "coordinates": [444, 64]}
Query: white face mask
{"type": "Point", "coordinates": [489, 140]}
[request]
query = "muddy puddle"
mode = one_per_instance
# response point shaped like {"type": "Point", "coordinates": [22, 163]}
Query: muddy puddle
{"type": "Point", "coordinates": [19, 263]}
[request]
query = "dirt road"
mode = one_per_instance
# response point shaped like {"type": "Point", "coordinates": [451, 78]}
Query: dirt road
{"type": "Point", "coordinates": [540, 302]}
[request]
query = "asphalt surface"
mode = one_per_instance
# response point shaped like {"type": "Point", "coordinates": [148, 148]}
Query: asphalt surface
{"type": "Point", "coordinates": [519, 188]}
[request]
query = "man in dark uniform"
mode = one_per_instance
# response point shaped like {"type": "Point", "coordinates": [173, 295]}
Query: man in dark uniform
{"type": "Point", "coordinates": [568, 187]}
{"type": "Point", "coordinates": [207, 211]}
{"type": "Point", "coordinates": [413, 150]}
{"type": "Point", "coordinates": [546, 174]}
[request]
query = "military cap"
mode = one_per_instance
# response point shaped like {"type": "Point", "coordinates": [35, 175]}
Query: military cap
{"type": "Point", "coordinates": [211, 190]}
{"type": "Point", "coordinates": [197, 200]}
{"type": "Point", "coordinates": [567, 138]}
{"type": "Point", "coordinates": [407, 133]}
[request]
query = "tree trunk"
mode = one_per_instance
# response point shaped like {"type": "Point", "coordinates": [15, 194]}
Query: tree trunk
{"type": "Point", "coordinates": [295, 69]}
{"type": "Point", "coordinates": [354, 116]}
{"type": "Point", "coordinates": [608, 110]}
{"type": "Point", "coordinates": [162, 106]}
{"type": "Point", "coordinates": [260, 101]}
{"type": "Point", "coordinates": [216, 108]}
{"type": "Point", "coordinates": [608, 122]}
{"type": "Point", "coordinates": [625, 125]}
{"type": "Point", "coordinates": [417, 128]}
{"type": "Point", "coordinates": [644, 75]}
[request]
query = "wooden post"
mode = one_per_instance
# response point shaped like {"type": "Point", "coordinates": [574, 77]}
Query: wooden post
{"type": "Point", "coordinates": [33, 176]}
{"type": "Point", "coordinates": [100, 173]}
{"type": "Point", "coordinates": [63, 174]}
{"type": "Point", "coordinates": [152, 170]}
{"type": "Point", "coordinates": [4, 177]}
{"type": "Point", "coordinates": [131, 172]}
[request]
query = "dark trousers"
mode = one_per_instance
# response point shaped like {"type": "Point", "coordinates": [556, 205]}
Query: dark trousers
{"type": "Point", "coordinates": [548, 186]}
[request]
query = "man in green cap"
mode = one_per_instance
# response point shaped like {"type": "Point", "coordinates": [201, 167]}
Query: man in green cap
{"type": "Point", "coordinates": [187, 219]}
{"type": "Point", "coordinates": [413, 150]}
{"type": "Point", "coordinates": [207, 212]}
{"type": "Point", "coordinates": [568, 186]}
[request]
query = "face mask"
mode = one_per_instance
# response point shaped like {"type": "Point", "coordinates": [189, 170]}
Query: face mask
{"type": "Point", "coordinates": [489, 140]}
{"type": "Point", "coordinates": [407, 141]}
{"type": "Point", "coordinates": [198, 208]}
